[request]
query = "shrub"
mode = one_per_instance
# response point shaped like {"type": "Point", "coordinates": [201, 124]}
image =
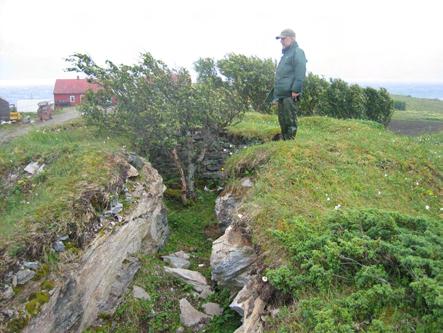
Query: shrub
{"type": "Point", "coordinates": [361, 266]}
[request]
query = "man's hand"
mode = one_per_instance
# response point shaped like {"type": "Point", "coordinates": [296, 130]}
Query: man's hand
{"type": "Point", "coordinates": [295, 96]}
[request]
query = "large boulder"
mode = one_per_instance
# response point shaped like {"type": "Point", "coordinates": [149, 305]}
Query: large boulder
{"type": "Point", "coordinates": [231, 258]}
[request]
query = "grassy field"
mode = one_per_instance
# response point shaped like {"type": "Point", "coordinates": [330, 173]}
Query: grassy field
{"type": "Point", "coordinates": [420, 104]}
{"type": "Point", "coordinates": [336, 169]}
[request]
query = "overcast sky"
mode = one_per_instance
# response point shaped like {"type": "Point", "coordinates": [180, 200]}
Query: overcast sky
{"type": "Point", "coordinates": [366, 40]}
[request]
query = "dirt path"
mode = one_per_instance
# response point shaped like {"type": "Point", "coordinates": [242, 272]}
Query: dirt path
{"type": "Point", "coordinates": [9, 133]}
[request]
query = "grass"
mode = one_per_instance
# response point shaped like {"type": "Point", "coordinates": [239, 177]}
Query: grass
{"type": "Point", "coordinates": [43, 205]}
{"type": "Point", "coordinates": [189, 230]}
{"type": "Point", "coordinates": [333, 165]}
{"type": "Point", "coordinates": [420, 104]}
{"type": "Point", "coordinates": [419, 109]}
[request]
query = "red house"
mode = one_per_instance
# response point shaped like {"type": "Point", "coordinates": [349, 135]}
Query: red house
{"type": "Point", "coordinates": [69, 92]}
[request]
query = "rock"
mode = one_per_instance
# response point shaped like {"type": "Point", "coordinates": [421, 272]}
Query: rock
{"type": "Point", "coordinates": [180, 330]}
{"type": "Point", "coordinates": [58, 246]}
{"type": "Point", "coordinates": [205, 292]}
{"type": "Point", "coordinates": [116, 208]}
{"type": "Point", "coordinates": [9, 313]}
{"type": "Point", "coordinates": [93, 283]}
{"type": "Point", "coordinates": [135, 161]}
{"type": "Point", "coordinates": [140, 293]}
{"type": "Point", "coordinates": [225, 208]}
{"type": "Point", "coordinates": [189, 316]}
{"type": "Point", "coordinates": [63, 238]}
{"type": "Point", "coordinates": [34, 168]}
{"type": "Point", "coordinates": [34, 265]}
{"type": "Point", "coordinates": [177, 260]}
{"type": "Point", "coordinates": [7, 293]}
{"type": "Point", "coordinates": [250, 306]}
{"type": "Point", "coordinates": [195, 279]}
{"type": "Point", "coordinates": [132, 172]}
{"type": "Point", "coordinates": [246, 182]}
{"type": "Point", "coordinates": [231, 259]}
{"type": "Point", "coordinates": [182, 254]}
{"type": "Point", "coordinates": [24, 276]}
{"type": "Point", "coordinates": [212, 309]}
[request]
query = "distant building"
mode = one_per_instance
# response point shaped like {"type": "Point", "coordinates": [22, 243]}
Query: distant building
{"type": "Point", "coordinates": [70, 92]}
{"type": "Point", "coordinates": [4, 110]}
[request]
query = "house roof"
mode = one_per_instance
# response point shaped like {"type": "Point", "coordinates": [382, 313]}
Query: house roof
{"type": "Point", "coordinates": [74, 86]}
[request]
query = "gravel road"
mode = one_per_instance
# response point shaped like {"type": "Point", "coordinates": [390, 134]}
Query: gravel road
{"type": "Point", "coordinates": [15, 130]}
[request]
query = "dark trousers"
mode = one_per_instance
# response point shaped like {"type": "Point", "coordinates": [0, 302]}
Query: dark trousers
{"type": "Point", "coordinates": [287, 117]}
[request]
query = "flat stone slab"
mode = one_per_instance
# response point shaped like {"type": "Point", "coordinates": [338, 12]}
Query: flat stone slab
{"type": "Point", "coordinates": [195, 279]}
{"type": "Point", "coordinates": [189, 316]}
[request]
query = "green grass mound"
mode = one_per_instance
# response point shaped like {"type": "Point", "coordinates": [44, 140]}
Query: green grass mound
{"type": "Point", "coordinates": [349, 216]}
{"type": "Point", "coordinates": [79, 167]}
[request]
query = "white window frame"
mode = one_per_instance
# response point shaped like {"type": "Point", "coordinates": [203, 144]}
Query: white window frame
{"type": "Point", "coordinates": [72, 99]}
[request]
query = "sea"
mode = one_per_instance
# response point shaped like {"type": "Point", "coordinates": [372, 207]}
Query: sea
{"type": "Point", "coordinates": [421, 90]}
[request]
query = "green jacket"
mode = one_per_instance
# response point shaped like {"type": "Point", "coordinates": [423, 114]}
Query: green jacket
{"type": "Point", "coordinates": [291, 72]}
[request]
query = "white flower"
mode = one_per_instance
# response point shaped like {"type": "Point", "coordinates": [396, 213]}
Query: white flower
{"type": "Point", "coordinates": [337, 207]}
{"type": "Point", "coordinates": [240, 216]}
{"type": "Point", "coordinates": [328, 199]}
{"type": "Point", "coordinates": [379, 192]}
{"type": "Point", "coordinates": [264, 279]}
{"type": "Point", "coordinates": [386, 174]}
{"type": "Point", "coordinates": [417, 183]}
{"type": "Point", "coordinates": [427, 207]}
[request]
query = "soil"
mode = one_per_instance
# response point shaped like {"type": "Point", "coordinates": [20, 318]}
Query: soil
{"type": "Point", "coordinates": [415, 127]}
{"type": "Point", "coordinates": [8, 134]}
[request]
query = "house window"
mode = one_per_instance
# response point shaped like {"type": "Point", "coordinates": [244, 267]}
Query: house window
{"type": "Point", "coordinates": [72, 99]}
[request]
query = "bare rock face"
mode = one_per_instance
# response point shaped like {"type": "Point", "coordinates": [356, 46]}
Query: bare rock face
{"type": "Point", "coordinates": [225, 209]}
{"type": "Point", "coordinates": [251, 306]}
{"type": "Point", "coordinates": [231, 258]}
{"type": "Point", "coordinates": [95, 282]}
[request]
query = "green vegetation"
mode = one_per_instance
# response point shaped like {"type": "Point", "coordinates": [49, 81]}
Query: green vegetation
{"type": "Point", "coordinates": [420, 104]}
{"type": "Point", "coordinates": [336, 98]}
{"type": "Point", "coordinates": [160, 109]}
{"type": "Point", "coordinates": [251, 77]}
{"type": "Point", "coordinates": [190, 228]}
{"type": "Point", "coordinates": [36, 209]}
{"type": "Point", "coordinates": [349, 216]}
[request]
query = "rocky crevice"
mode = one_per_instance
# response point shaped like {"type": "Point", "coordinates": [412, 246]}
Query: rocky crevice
{"type": "Point", "coordinates": [236, 263]}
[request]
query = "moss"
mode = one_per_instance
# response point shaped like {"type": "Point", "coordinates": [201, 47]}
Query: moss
{"type": "Point", "coordinates": [17, 324]}
{"type": "Point", "coordinates": [41, 272]}
{"type": "Point", "coordinates": [33, 307]}
{"type": "Point", "coordinates": [35, 301]}
{"type": "Point", "coordinates": [47, 285]}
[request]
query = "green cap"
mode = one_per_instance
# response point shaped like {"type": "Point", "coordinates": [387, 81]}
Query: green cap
{"type": "Point", "coordinates": [286, 33]}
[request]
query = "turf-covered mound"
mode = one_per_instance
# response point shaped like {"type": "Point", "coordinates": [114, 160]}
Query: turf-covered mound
{"type": "Point", "coordinates": [349, 218]}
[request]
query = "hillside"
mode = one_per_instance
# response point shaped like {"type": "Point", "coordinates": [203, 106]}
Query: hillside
{"type": "Point", "coordinates": [346, 174]}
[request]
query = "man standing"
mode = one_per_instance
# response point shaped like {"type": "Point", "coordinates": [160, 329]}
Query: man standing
{"type": "Point", "coordinates": [289, 77]}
